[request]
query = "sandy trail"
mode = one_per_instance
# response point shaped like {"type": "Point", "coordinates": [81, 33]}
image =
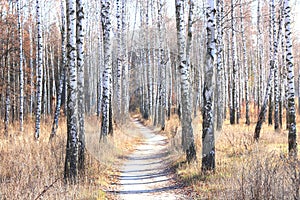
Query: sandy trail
{"type": "Point", "coordinates": [144, 174]}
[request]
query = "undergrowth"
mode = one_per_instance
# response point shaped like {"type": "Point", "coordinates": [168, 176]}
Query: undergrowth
{"type": "Point", "coordinates": [31, 169]}
{"type": "Point", "coordinates": [244, 169]}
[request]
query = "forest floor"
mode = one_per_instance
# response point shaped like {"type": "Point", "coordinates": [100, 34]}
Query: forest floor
{"type": "Point", "coordinates": [145, 173]}
{"type": "Point", "coordinates": [139, 161]}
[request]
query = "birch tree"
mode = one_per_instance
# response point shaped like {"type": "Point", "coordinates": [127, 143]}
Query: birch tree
{"type": "Point", "coordinates": [274, 58]}
{"type": "Point", "coordinates": [118, 98]}
{"type": "Point", "coordinates": [263, 110]}
{"type": "Point", "coordinates": [125, 89]}
{"type": "Point", "coordinates": [186, 120]}
{"type": "Point", "coordinates": [245, 63]}
{"type": "Point", "coordinates": [99, 66]}
{"type": "Point", "coordinates": [39, 81]}
{"type": "Point", "coordinates": [31, 71]}
{"type": "Point", "coordinates": [208, 139]}
{"type": "Point", "coordinates": [21, 116]}
{"type": "Point", "coordinates": [291, 112]}
{"type": "Point", "coordinates": [234, 68]}
{"type": "Point", "coordinates": [106, 26]}
{"type": "Point", "coordinates": [259, 55]}
{"type": "Point", "coordinates": [62, 78]}
{"type": "Point", "coordinates": [80, 66]}
{"type": "Point", "coordinates": [270, 113]}
{"type": "Point", "coordinates": [219, 77]}
{"type": "Point", "coordinates": [71, 164]}
{"type": "Point", "coordinates": [7, 96]}
{"type": "Point", "coordinates": [162, 65]}
{"type": "Point", "coordinates": [149, 64]}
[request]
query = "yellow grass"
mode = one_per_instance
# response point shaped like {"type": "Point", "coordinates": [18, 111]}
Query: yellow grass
{"type": "Point", "coordinates": [29, 167]}
{"type": "Point", "coordinates": [236, 153]}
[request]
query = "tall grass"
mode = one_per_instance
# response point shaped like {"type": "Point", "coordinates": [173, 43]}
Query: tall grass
{"type": "Point", "coordinates": [244, 169]}
{"type": "Point", "coordinates": [31, 169]}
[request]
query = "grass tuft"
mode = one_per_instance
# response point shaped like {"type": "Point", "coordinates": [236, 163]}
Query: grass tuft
{"type": "Point", "coordinates": [244, 169]}
{"type": "Point", "coordinates": [31, 169]}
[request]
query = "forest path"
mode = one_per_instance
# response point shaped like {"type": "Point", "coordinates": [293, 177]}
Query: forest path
{"type": "Point", "coordinates": [145, 173]}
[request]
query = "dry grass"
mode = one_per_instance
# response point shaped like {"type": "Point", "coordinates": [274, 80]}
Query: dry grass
{"type": "Point", "coordinates": [245, 169]}
{"type": "Point", "coordinates": [29, 168]}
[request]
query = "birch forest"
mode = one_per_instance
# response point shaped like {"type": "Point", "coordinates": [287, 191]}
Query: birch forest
{"type": "Point", "coordinates": [84, 84]}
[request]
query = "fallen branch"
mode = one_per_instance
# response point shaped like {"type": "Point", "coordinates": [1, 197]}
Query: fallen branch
{"type": "Point", "coordinates": [46, 189]}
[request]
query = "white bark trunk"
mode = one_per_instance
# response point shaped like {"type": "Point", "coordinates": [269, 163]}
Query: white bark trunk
{"type": "Point", "coordinates": [39, 70]}
{"type": "Point", "coordinates": [186, 121]}
{"type": "Point", "coordinates": [107, 91]}
{"type": "Point", "coordinates": [208, 139]}
{"type": "Point", "coordinates": [80, 32]}
{"type": "Point", "coordinates": [21, 111]}
{"type": "Point", "coordinates": [118, 98]}
{"type": "Point", "coordinates": [292, 136]}
{"type": "Point", "coordinates": [71, 165]}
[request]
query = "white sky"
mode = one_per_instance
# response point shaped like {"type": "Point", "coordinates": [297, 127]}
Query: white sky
{"type": "Point", "coordinates": [296, 10]}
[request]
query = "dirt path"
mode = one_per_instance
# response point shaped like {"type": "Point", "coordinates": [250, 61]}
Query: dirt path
{"type": "Point", "coordinates": [144, 174]}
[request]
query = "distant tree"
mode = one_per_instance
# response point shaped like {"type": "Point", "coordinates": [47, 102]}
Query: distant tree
{"type": "Point", "coordinates": [259, 56]}
{"type": "Point", "coordinates": [162, 64]}
{"type": "Point", "coordinates": [125, 73]}
{"type": "Point", "coordinates": [118, 85]}
{"type": "Point", "coordinates": [39, 81]}
{"type": "Point", "coordinates": [31, 77]}
{"type": "Point", "coordinates": [233, 110]}
{"type": "Point", "coordinates": [149, 63]}
{"type": "Point", "coordinates": [7, 95]}
{"type": "Point", "coordinates": [107, 77]}
{"type": "Point", "coordinates": [21, 116]}
{"type": "Point", "coordinates": [62, 78]}
{"type": "Point", "coordinates": [271, 103]}
{"type": "Point", "coordinates": [274, 58]}
{"type": "Point", "coordinates": [263, 110]}
{"type": "Point", "coordinates": [219, 77]}
{"type": "Point", "coordinates": [245, 64]}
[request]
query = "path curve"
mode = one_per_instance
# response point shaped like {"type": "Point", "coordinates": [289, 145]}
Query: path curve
{"type": "Point", "coordinates": [144, 174]}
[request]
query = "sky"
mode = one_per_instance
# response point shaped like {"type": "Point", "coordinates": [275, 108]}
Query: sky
{"type": "Point", "coordinates": [296, 10]}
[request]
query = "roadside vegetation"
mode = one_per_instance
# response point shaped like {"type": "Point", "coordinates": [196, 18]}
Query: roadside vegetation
{"type": "Point", "coordinates": [245, 169]}
{"type": "Point", "coordinates": [33, 169]}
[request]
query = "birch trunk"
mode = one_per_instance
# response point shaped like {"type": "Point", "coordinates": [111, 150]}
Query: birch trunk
{"type": "Point", "coordinates": [119, 63]}
{"type": "Point", "coordinates": [62, 72]}
{"type": "Point", "coordinates": [208, 139]}
{"type": "Point", "coordinates": [262, 113]}
{"type": "Point", "coordinates": [31, 72]}
{"type": "Point", "coordinates": [7, 96]}
{"type": "Point", "coordinates": [21, 116]}
{"type": "Point", "coordinates": [149, 64]}
{"type": "Point", "coordinates": [234, 67]}
{"type": "Point", "coordinates": [219, 77]}
{"type": "Point", "coordinates": [292, 135]}
{"type": "Point", "coordinates": [274, 58]}
{"type": "Point", "coordinates": [100, 71]}
{"type": "Point", "coordinates": [39, 81]}
{"type": "Point", "coordinates": [270, 120]}
{"type": "Point", "coordinates": [71, 164]}
{"type": "Point", "coordinates": [259, 56]}
{"type": "Point", "coordinates": [186, 121]}
{"type": "Point", "coordinates": [162, 66]}
{"type": "Point", "coordinates": [80, 66]}
{"type": "Point", "coordinates": [106, 26]}
{"type": "Point", "coordinates": [125, 78]}
{"type": "Point", "coordinates": [245, 63]}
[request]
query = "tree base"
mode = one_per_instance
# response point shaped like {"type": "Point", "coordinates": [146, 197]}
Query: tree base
{"type": "Point", "coordinates": [191, 153]}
